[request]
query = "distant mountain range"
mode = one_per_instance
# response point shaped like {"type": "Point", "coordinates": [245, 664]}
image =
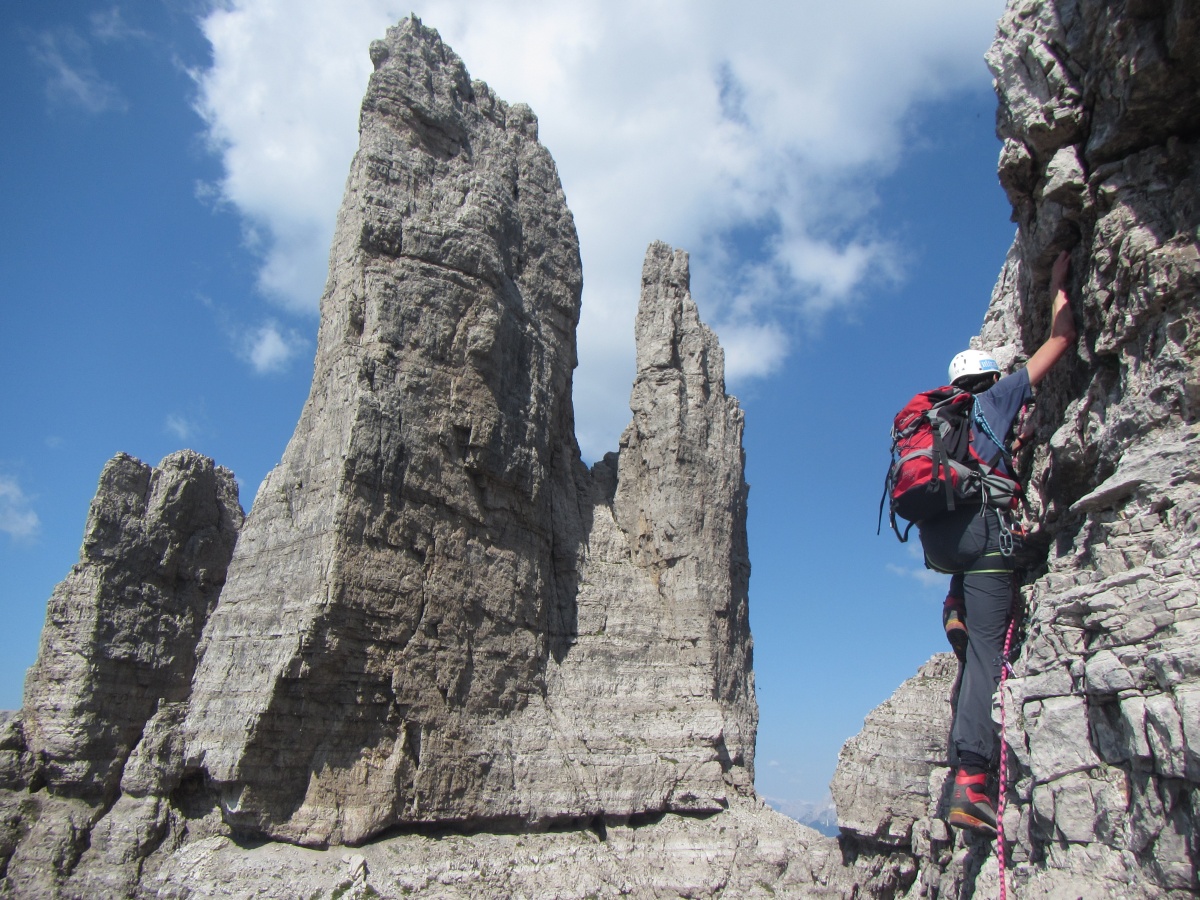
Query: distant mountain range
{"type": "Point", "coordinates": [819, 815]}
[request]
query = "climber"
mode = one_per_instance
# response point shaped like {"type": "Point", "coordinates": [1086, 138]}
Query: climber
{"type": "Point", "coordinates": [970, 544]}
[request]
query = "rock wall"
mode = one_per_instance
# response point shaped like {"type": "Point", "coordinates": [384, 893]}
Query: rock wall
{"type": "Point", "coordinates": [889, 772]}
{"type": "Point", "coordinates": [441, 637]}
{"type": "Point", "coordinates": [1100, 118]}
{"type": "Point", "coordinates": [407, 569]}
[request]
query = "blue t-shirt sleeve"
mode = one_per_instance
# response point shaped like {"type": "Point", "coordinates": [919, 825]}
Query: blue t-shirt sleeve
{"type": "Point", "coordinates": [1001, 402]}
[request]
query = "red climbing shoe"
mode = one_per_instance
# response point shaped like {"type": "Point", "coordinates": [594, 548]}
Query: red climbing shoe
{"type": "Point", "coordinates": [954, 620]}
{"type": "Point", "coordinates": [970, 806]}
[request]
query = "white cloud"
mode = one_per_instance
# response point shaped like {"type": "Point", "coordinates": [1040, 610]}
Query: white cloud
{"type": "Point", "coordinates": [17, 518]}
{"type": "Point", "coordinates": [281, 102]}
{"type": "Point", "coordinates": [110, 25]}
{"type": "Point", "coordinates": [752, 351]}
{"type": "Point", "coordinates": [675, 120]}
{"type": "Point", "coordinates": [179, 426]}
{"type": "Point", "coordinates": [269, 348]}
{"type": "Point", "coordinates": [927, 577]}
{"type": "Point", "coordinates": [71, 77]}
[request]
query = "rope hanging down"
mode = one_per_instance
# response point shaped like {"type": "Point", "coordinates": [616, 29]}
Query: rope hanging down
{"type": "Point", "coordinates": [1005, 668]}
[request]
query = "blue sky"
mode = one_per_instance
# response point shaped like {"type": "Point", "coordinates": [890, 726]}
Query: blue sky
{"type": "Point", "coordinates": [170, 173]}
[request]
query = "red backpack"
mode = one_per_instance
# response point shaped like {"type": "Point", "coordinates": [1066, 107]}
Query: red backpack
{"type": "Point", "coordinates": [934, 464]}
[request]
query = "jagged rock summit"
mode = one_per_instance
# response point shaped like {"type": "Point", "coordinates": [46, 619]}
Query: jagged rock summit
{"type": "Point", "coordinates": [434, 613]}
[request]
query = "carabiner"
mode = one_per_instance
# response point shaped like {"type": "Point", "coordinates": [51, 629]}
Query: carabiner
{"type": "Point", "coordinates": [1006, 537]}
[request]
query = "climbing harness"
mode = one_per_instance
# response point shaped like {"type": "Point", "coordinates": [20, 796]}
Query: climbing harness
{"type": "Point", "coordinates": [1005, 671]}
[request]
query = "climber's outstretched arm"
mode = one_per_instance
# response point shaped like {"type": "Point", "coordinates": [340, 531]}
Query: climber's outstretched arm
{"type": "Point", "coordinates": [1062, 324]}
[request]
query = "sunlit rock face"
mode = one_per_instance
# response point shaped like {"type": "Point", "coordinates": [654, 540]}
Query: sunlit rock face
{"type": "Point", "coordinates": [435, 614]}
{"type": "Point", "coordinates": [1098, 110]}
{"type": "Point", "coordinates": [882, 784]}
{"type": "Point", "coordinates": [408, 568]}
{"type": "Point", "coordinates": [121, 629]}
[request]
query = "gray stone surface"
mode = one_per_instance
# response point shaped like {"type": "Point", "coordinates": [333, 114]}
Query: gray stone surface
{"type": "Point", "coordinates": [435, 615]}
{"type": "Point", "coordinates": [121, 629]}
{"type": "Point", "coordinates": [502, 675]}
{"type": "Point", "coordinates": [746, 851]}
{"type": "Point", "coordinates": [408, 569]}
{"type": "Point", "coordinates": [881, 786]}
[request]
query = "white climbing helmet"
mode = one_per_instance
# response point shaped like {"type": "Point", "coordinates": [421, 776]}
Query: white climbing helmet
{"type": "Point", "coordinates": [972, 362]}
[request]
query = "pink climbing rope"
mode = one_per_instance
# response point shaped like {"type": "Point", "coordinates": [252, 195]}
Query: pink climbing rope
{"type": "Point", "coordinates": [1005, 668]}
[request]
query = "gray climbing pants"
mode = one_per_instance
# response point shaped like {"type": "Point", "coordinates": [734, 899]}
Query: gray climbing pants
{"type": "Point", "coordinates": [966, 544]}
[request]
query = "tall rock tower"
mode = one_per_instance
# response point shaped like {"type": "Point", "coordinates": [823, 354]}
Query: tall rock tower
{"type": "Point", "coordinates": [418, 626]}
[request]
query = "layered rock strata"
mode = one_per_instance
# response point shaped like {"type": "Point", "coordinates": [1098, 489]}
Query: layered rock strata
{"type": "Point", "coordinates": [746, 851]}
{"type": "Point", "coordinates": [408, 568]}
{"type": "Point", "coordinates": [1099, 105]}
{"type": "Point", "coordinates": [882, 784]}
{"type": "Point", "coordinates": [437, 620]}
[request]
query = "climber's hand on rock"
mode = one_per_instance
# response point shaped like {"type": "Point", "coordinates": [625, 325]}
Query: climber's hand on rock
{"type": "Point", "coordinates": [1059, 271]}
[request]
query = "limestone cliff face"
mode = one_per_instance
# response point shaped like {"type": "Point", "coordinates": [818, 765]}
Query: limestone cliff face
{"type": "Point", "coordinates": [1099, 105]}
{"type": "Point", "coordinates": [882, 786]}
{"type": "Point", "coordinates": [408, 569]}
{"type": "Point", "coordinates": [121, 629]}
{"type": "Point", "coordinates": [437, 616]}
{"type": "Point", "coordinates": [434, 614]}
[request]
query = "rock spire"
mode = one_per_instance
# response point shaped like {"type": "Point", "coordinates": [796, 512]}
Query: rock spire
{"type": "Point", "coordinates": [432, 613]}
